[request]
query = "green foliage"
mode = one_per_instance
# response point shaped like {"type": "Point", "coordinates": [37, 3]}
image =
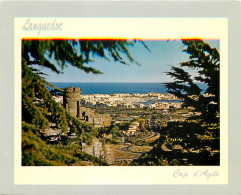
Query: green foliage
{"type": "Point", "coordinates": [63, 53]}
{"type": "Point", "coordinates": [113, 141]}
{"type": "Point", "coordinates": [115, 131]}
{"type": "Point", "coordinates": [36, 152]}
{"type": "Point", "coordinates": [39, 110]}
{"type": "Point", "coordinates": [74, 52]}
{"type": "Point", "coordinates": [205, 60]}
{"type": "Point", "coordinates": [197, 142]}
{"type": "Point", "coordinates": [179, 145]}
{"type": "Point", "coordinates": [124, 125]}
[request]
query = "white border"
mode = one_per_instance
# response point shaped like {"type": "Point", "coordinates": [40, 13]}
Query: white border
{"type": "Point", "coordinates": [145, 28]}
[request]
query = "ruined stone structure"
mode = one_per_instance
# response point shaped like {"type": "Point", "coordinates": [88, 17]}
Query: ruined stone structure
{"type": "Point", "coordinates": [99, 150]}
{"type": "Point", "coordinates": [89, 115]}
{"type": "Point", "coordinates": [72, 103]}
{"type": "Point", "coordinates": [95, 149]}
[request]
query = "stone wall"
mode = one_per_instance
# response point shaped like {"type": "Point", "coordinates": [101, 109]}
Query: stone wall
{"type": "Point", "coordinates": [109, 154]}
{"type": "Point", "coordinates": [99, 120]}
{"type": "Point", "coordinates": [95, 149]}
{"type": "Point", "coordinates": [98, 150]}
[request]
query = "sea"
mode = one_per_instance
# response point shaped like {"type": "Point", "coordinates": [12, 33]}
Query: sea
{"type": "Point", "coordinates": [115, 88]}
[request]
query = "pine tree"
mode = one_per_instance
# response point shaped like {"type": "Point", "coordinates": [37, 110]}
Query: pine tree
{"type": "Point", "coordinates": [74, 52]}
{"type": "Point", "coordinates": [197, 140]}
{"type": "Point", "coordinates": [205, 60]}
{"type": "Point", "coordinates": [38, 107]}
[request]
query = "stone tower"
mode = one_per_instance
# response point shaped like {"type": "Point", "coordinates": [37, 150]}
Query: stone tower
{"type": "Point", "coordinates": [71, 101]}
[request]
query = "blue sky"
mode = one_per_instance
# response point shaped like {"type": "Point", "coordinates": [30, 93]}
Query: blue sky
{"type": "Point", "coordinates": [154, 64]}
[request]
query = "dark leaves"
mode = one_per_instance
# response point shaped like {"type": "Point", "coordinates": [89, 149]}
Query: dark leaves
{"type": "Point", "coordinates": [205, 60]}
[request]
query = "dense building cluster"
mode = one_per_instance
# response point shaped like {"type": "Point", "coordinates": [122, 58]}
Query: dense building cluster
{"type": "Point", "coordinates": [131, 101]}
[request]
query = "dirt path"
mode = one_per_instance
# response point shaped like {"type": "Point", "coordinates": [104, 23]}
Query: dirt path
{"type": "Point", "coordinates": [124, 153]}
{"type": "Point", "coordinates": [155, 135]}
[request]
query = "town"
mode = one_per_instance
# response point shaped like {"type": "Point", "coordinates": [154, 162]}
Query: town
{"type": "Point", "coordinates": [131, 121]}
{"type": "Point", "coordinates": [131, 101]}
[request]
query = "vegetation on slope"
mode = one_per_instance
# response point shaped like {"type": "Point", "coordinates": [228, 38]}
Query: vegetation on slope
{"type": "Point", "coordinates": [197, 140]}
{"type": "Point", "coordinates": [40, 111]}
{"type": "Point", "coordinates": [36, 152]}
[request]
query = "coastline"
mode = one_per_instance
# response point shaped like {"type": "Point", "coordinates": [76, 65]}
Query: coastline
{"type": "Point", "coordinates": [91, 88]}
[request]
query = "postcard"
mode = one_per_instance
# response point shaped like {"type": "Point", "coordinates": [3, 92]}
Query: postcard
{"type": "Point", "coordinates": [120, 100]}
